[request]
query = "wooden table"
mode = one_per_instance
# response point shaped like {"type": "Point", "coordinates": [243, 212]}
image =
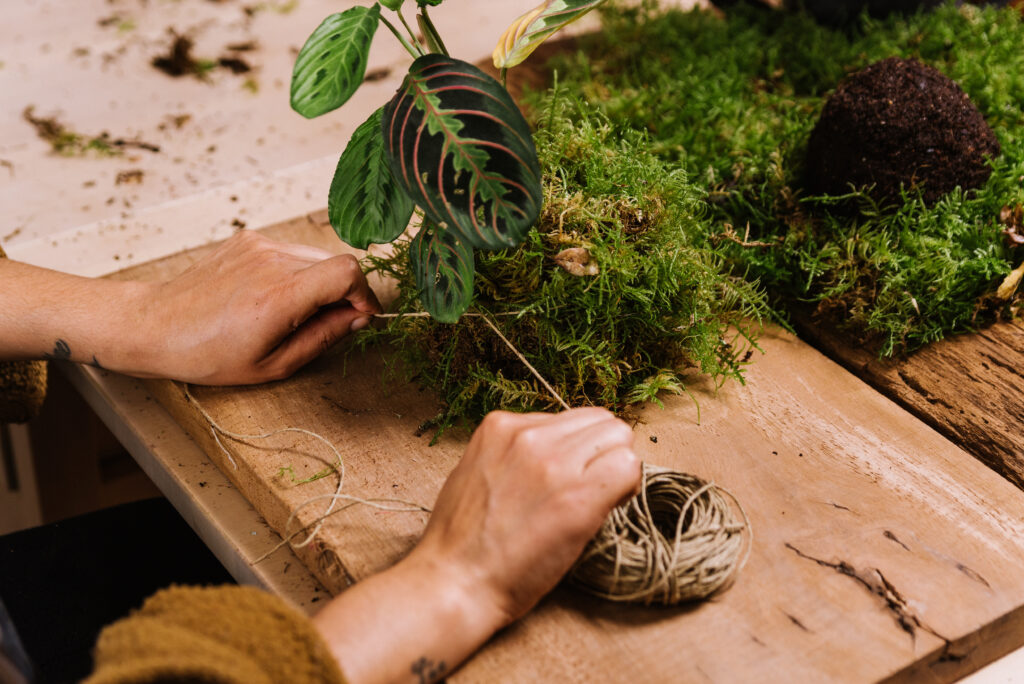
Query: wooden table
{"type": "Point", "coordinates": [797, 613]}
{"type": "Point", "coordinates": [874, 534]}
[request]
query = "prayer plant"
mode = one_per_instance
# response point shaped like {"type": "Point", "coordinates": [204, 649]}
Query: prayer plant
{"type": "Point", "coordinates": [450, 143]}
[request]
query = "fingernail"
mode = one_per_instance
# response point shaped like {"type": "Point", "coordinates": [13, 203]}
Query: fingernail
{"type": "Point", "coordinates": [359, 324]}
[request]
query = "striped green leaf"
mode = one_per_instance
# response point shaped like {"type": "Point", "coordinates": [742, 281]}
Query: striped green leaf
{"type": "Point", "coordinates": [332, 64]}
{"type": "Point", "coordinates": [461, 148]}
{"type": "Point", "coordinates": [444, 267]}
{"type": "Point", "coordinates": [366, 204]}
{"type": "Point", "coordinates": [530, 30]}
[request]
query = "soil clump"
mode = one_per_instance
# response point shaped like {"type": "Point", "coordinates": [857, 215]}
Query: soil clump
{"type": "Point", "coordinates": [899, 123]}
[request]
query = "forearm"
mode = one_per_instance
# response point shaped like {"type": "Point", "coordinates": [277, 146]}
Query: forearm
{"type": "Point", "coordinates": [415, 622]}
{"type": "Point", "coordinates": [46, 314]}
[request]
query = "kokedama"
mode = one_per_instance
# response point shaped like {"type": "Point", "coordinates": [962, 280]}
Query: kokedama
{"type": "Point", "coordinates": [610, 298]}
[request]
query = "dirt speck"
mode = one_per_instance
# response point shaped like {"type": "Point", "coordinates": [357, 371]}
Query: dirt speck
{"type": "Point", "coordinates": [179, 61]}
{"type": "Point", "coordinates": [130, 176]}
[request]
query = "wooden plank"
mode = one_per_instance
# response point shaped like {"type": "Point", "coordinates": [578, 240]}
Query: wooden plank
{"type": "Point", "coordinates": [226, 522]}
{"type": "Point", "coordinates": [969, 387]}
{"type": "Point", "coordinates": [882, 550]}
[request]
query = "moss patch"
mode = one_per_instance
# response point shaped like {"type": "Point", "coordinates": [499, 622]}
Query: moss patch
{"type": "Point", "coordinates": [731, 102]}
{"type": "Point", "coordinates": [657, 307]}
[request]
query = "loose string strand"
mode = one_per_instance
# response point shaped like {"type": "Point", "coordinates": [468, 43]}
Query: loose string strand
{"type": "Point", "coordinates": [638, 555]}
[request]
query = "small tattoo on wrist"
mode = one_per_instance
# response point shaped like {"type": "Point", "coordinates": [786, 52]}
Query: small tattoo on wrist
{"type": "Point", "coordinates": [428, 671]}
{"type": "Point", "coordinates": [61, 351]}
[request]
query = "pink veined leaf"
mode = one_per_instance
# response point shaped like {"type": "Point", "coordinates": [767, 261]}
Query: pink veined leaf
{"type": "Point", "coordinates": [443, 267]}
{"type": "Point", "coordinates": [461, 148]}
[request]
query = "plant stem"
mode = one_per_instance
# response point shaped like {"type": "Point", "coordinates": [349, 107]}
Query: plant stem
{"type": "Point", "coordinates": [504, 78]}
{"type": "Point", "coordinates": [433, 31]}
{"type": "Point", "coordinates": [412, 34]}
{"type": "Point", "coordinates": [414, 51]}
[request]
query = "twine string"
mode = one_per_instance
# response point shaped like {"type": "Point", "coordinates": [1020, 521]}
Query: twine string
{"type": "Point", "coordinates": [216, 429]}
{"type": "Point", "coordinates": [519, 355]}
{"type": "Point", "coordinates": [678, 540]}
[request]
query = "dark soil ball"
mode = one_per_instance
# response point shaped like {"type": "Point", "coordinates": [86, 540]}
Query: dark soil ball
{"type": "Point", "coordinates": [899, 123]}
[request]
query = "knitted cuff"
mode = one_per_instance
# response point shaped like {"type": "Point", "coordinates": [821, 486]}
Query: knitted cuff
{"type": "Point", "coordinates": [227, 635]}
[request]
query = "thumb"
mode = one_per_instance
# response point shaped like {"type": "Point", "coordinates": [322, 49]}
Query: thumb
{"type": "Point", "coordinates": [316, 335]}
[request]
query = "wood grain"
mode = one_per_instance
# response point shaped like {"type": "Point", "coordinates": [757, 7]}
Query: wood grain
{"type": "Point", "coordinates": [969, 387]}
{"type": "Point", "coordinates": [882, 551]}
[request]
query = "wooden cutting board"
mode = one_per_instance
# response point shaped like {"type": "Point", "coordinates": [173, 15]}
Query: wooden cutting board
{"type": "Point", "coordinates": [882, 551]}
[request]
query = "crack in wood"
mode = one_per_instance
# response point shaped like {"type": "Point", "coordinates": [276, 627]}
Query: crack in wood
{"type": "Point", "coordinates": [796, 621]}
{"type": "Point", "coordinates": [1008, 367]}
{"type": "Point", "coordinates": [892, 537]}
{"type": "Point", "coordinates": [972, 574]}
{"type": "Point", "coordinates": [915, 386]}
{"type": "Point", "coordinates": [875, 582]}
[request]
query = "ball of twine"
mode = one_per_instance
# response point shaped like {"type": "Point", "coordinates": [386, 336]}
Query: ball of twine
{"type": "Point", "coordinates": [678, 540]}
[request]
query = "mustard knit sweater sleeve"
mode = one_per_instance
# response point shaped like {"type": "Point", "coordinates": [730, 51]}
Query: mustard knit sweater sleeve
{"type": "Point", "coordinates": [222, 635]}
{"type": "Point", "coordinates": [22, 387]}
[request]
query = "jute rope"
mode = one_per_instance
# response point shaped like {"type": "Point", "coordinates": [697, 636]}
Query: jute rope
{"type": "Point", "coordinates": [678, 540]}
{"type": "Point", "coordinates": [332, 499]}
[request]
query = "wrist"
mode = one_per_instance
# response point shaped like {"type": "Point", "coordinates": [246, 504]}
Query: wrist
{"type": "Point", "coordinates": [414, 622]}
{"type": "Point", "coordinates": [130, 345]}
{"type": "Point", "coordinates": [105, 325]}
{"type": "Point", "coordinates": [465, 597]}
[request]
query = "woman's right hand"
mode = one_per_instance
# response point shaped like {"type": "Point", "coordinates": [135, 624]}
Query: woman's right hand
{"type": "Point", "coordinates": [530, 492]}
{"type": "Point", "coordinates": [511, 520]}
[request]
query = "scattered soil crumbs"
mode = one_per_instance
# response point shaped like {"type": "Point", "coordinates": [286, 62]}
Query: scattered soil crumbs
{"type": "Point", "coordinates": [68, 143]}
{"type": "Point", "coordinates": [179, 61]}
{"type": "Point", "coordinates": [175, 120]}
{"type": "Point", "coordinates": [899, 123]}
{"type": "Point", "coordinates": [129, 176]}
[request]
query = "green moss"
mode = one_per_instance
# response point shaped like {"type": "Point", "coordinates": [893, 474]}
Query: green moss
{"type": "Point", "coordinates": [731, 103]}
{"type": "Point", "coordinates": [659, 308]}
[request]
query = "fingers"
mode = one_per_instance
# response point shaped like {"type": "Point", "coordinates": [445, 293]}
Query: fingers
{"type": "Point", "coordinates": [304, 252]}
{"type": "Point", "coordinates": [504, 434]}
{"type": "Point", "coordinates": [322, 278]}
{"type": "Point", "coordinates": [615, 475]}
{"type": "Point", "coordinates": [338, 279]}
{"type": "Point", "coordinates": [590, 440]}
{"type": "Point", "coordinates": [318, 334]}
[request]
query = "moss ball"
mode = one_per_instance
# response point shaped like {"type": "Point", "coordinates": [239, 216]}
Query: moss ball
{"type": "Point", "coordinates": [899, 123]}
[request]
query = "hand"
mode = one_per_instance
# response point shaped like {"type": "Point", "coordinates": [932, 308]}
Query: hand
{"type": "Point", "coordinates": [512, 518]}
{"type": "Point", "coordinates": [254, 310]}
{"type": "Point", "coordinates": [529, 494]}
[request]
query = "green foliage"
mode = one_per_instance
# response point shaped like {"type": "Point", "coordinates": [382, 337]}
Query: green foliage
{"type": "Point", "coordinates": [527, 32]}
{"type": "Point", "coordinates": [443, 268]}
{"type": "Point", "coordinates": [290, 472]}
{"type": "Point", "coordinates": [659, 308]}
{"type": "Point", "coordinates": [731, 103]}
{"type": "Point", "coordinates": [365, 204]}
{"type": "Point", "coordinates": [451, 141]}
{"type": "Point", "coordinates": [331, 65]}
